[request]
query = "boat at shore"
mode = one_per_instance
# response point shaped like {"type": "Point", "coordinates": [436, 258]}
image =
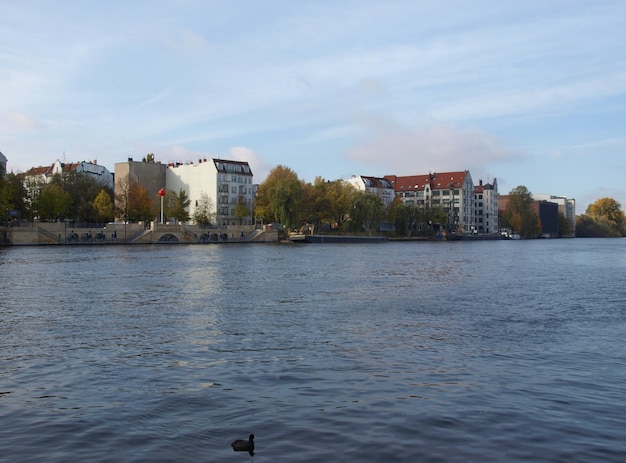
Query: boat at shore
{"type": "Point", "coordinates": [337, 239]}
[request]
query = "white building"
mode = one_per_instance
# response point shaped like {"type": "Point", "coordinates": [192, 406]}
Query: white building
{"type": "Point", "coordinates": [381, 187]}
{"type": "Point", "coordinates": [567, 207]}
{"type": "Point", "coordinates": [226, 185]}
{"type": "Point", "coordinates": [486, 208]}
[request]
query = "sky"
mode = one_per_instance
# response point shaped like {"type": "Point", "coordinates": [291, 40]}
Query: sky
{"type": "Point", "coordinates": [527, 92]}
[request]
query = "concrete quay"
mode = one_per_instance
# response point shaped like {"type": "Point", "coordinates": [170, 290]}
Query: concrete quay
{"type": "Point", "coordinates": [63, 233]}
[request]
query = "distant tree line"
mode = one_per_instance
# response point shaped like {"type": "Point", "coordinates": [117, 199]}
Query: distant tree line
{"type": "Point", "coordinates": [334, 205]}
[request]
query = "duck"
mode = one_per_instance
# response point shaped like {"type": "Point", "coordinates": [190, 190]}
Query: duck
{"type": "Point", "coordinates": [241, 445]}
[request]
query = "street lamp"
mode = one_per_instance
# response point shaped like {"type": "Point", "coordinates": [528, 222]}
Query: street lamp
{"type": "Point", "coordinates": [161, 194]}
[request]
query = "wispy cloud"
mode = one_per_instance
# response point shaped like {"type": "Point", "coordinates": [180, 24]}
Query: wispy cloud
{"type": "Point", "coordinates": [436, 147]}
{"type": "Point", "coordinates": [23, 122]}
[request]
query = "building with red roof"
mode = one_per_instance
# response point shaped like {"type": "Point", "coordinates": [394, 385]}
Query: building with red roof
{"type": "Point", "coordinates": [453, 191]}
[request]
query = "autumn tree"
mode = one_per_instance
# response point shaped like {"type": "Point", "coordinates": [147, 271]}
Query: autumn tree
{"type": "Point", "coordinates": [279, 197]}
{"type": "Point", "coordinates": [103, 205]}
{"type": "Point", "coordinates": [140, 204]}
{"type": "Point", "coordinates": [519, 214]}
{"type": "Point", "coordinates": [133, 202]}
{"type": "Point", "coordinates": [603, 218]}
{"type": "Point", "coordinates": [340, 196]}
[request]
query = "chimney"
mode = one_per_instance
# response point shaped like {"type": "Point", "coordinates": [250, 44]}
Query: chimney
{"type": "Point", "coordinates": [480, 183]}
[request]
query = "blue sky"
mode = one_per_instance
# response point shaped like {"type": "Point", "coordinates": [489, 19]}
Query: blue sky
{"type": "Point", "coordinates": [530, 92]}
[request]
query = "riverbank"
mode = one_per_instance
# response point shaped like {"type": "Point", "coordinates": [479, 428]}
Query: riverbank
{"type": "Point", "coordinates": [62, 233]}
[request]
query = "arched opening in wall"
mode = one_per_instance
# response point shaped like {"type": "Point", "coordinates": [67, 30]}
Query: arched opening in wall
{"type": "Point", "coordinates": [168, 237]}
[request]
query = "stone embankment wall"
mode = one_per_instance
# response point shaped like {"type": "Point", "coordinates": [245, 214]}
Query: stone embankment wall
{"type": "Point", "coordinates": [46, 233]}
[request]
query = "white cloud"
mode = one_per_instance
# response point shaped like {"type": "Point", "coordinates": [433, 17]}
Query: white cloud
{"type": "Point", "coordinates": [437, 147]}
{"type": "Point", "coordinates": [23, 122]}
{"type": "Point", "coordinates": [260, 169]}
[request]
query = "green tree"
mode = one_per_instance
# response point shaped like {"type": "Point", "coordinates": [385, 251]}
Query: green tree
{"type": "Point", "coordinates": [407, 218]}
{"type": "Point", "coordinates": [13, 195]}
{"type": "Point", "coordinates": [565, 226]}
{"type": "Point", "coordinates": [280, 196]}
{"type": "Point", "coordinates": [53, 202]}
{"type": "Point", "coordinates": [367, 211]}
{"type": "Point", "coordinates": [83, 189]}
{"type": "Point", "coordinates": [204, 213]}
{"type": "Point", "coordinates": [519, 214]}
{"type": "Point", "coordinates": [103, 205]}
{"type": "Point", "coordinates": [177, 205]}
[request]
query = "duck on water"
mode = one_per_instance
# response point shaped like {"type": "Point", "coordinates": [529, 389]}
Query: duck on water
{"type": "Point", "coordinates": [241, 445]}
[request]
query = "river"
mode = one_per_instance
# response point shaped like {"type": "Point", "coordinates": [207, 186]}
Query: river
{"type": "Point", "coordinates": [493, 351]}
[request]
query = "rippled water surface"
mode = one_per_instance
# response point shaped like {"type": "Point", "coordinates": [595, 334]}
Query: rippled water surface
{"type": "Point", "coordinates": [508, 351]}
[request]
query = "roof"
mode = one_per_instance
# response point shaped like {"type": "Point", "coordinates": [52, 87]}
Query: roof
{"type": "Point", "coordinates": [235, 167]}
{"type": "Point", "coordinates": [437, 181]}
{"type": "Point", "coordinates": [41, 170]}
{"type": "Point", "coordinates": [377, 182]}
{"type": "Point", "coordinates": [69, 167]}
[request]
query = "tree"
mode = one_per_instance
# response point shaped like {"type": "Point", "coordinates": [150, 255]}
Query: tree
{"type": "Point", "coordinates": [204, 214]}
{"type": "Point", "coordinates": [340, 196]}
{"type": "Point", "coordinates": [53, 202]}
{"type": "Point", "coordinates": [367, 211]}
{"type": "Point", "coordinates": [603, 218]}
{"type": "Point", "coordinates": [176, 205]}
{"type": "Point", "coordinates": [103, 206]}
{"type": "Point", "coordinates": [405, 218]}
{"type": "Point", "coordinates": [326, 202]}
{"type": "Point", "coordinates": [133, 202]}
{"type": "Point", "coordinates": [140, 204]}
{"type": "Point", "coordinates": [280, 196]}
{"type": "Point", "coordinates": [519, 214]}
{"type": "Point", "coordinates": [565, 226]}
{"type": "Point", "coordinates": [13, 195]}
{"type": "Point", "coordinates": [242, 210]}
{"type": "Point", "coordinates": [83, 189]}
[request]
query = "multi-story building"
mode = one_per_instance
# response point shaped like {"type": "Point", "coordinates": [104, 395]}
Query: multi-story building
{"type": "Point", "coordinates": [225, 185]}
{"type": "Point", "coordinates": [567, 207]}
{"type": "Point", "coordinates": [486, 208]}
{"type": "Point", "coordinates": [381, 187]}
{"type": "Point", "coordinates": [452, 191]}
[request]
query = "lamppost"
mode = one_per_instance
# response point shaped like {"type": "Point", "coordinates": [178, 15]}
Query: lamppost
{"type": "Point", "coordinates": [161, 194]}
